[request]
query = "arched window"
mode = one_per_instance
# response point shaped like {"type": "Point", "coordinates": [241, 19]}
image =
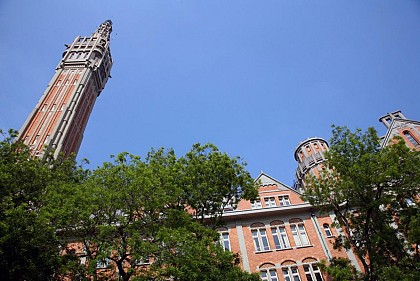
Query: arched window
{"type": "Point", "coordinates": [280, 238]}
{"type": "Point", "coordinates": [268, 272]}
{"type": "Point", "coordinates": [290, 271]}
{"type": "Point", "coordinates": [410, 138]}
{"type": "Point", "coordinates": [327, 230]}
{"type": "Point", "coordinates": [259, 235]}
{"type": "Point", "coordinates": [312, 271]}
{"type": "Point", "coordinates": [224, 238]}
{"type": "Point", "coordinates": [299, 232]}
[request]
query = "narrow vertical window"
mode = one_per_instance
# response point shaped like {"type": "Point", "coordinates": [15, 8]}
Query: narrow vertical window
{"type": "Point", "coordinates": [327, 230]}
{"type": "Point", "coordinates": [224, 240]}
{"type": "Point", "coordinates": [36, 139]}
{"type": "Point", "coordinates": [410, 138]}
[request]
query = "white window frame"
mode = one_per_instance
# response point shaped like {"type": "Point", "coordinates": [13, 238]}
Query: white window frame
{"type": "Point", "coordinates": [312, 272]}
{"type": "Point", "coordinates": [284, 200]}
{"type": "Point", "coordinates": [290, 273]}
{"type": "Point", "coordinates": [299, 234]}
{"type": "Point", "coordinates": [270, 201]}
{"type": "Point", "coordinates": [103, 263]}
{"type": "Point", "coordinates": [256, 204]}
{"type": "Point", "coordinates": [260, 238]}
{"type": "Point", "coordinates": [269, 274]}
{"type": "Point", "coordinates": [327, 230]}
{"type": "Point", "coordinates": [281, 241]}
{"type": "Point", "coordinates": [224, 240]}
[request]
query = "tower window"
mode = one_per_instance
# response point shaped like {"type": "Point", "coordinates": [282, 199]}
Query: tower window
{"type": "Point", "coordinates": [58, 83]}
{"type": "Point", "coordinates": [410, 138]}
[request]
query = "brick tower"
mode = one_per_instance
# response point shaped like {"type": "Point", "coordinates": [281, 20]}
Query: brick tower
{"type": "Point", "coordinates": [310, 154]}
{"type": "Point", "coordinates": [59, 119]}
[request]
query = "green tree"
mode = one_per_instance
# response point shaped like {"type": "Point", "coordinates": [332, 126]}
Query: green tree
{"type": "Point", "coordinates": [28, 242]}
{"type": "Point", "coordinates": [132, 211]}
{"type": "Point", "coordinates": [374, 193]}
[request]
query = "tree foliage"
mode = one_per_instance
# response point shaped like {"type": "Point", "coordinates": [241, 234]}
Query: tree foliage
{"type": "Point", "coordinates": [374, 193]}
{"type": "Point", "coordinates": [28, 241]}
{"type": "Point", "coordinates": [140, 220]}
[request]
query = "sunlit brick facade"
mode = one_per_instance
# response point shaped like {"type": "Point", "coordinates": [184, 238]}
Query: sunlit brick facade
{"type": "Point", "coordinates": [279, 235]}
{"type": "Point", "coordinates": [282, 237]}
{"type": "Point", "coordinates": [60, 117]}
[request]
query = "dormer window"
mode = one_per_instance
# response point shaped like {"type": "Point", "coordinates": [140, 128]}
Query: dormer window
{"type": "Point", "coordinates": [256, 204]}
{"type": "Point", "coordinates": [270, 202]}
{"type": "Point", "coordinates": [284, 200]}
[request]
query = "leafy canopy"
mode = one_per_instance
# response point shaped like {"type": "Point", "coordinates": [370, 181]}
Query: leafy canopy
{"type": "Point", "coordinates": [374, 193]}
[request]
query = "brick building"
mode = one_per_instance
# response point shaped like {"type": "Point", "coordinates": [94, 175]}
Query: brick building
{"type": "Point", "coordinates": [282, 237]}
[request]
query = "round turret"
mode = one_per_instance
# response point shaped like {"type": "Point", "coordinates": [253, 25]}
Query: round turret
{"type": "Point", "coordinates": [310, 154]}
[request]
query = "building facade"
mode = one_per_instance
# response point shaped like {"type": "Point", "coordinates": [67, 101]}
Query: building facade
{"type": "Point", "coordinates": [281, 236]}
{"type": "Point", "coordinates": [60, 117]}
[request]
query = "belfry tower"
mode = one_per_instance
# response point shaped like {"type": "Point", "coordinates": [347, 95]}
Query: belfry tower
{"type": "Point", "coordinates": [59, 119]}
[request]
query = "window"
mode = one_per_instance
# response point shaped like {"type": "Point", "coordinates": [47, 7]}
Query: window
{"type": "Point", "coordinates": [104, 263]}
{"type": "Point", "coordinates": [290, 273]}
{"type": "Point", "coordinates": [268, 275]}
{"type": "Point", "coordinates": [308, 148]}
{"type": "Point", "coordinates": [36, 139]}
{"type": "Point", "coordinates": [142, 261]}
{"type": "Point", "coordinates": [256, 204]}
{"type": "Point", "coordinates": [284, 200]}
{"type": "Point", "coordinates": [280, 237]}
{"type": "Point", "coordinates": [58, 83]}
{"type": "Point", "coordinates": [224, 240]}
{"type": "Point", "coordinates": [327, 230]}
{"type": "Point", "coordinates": [299, 232]}
{"type": "Point", "coordinates": [259, 235]}
{"type": "Point", "coordinates": [47, 138]}
{"type": "Point", "coordinates": [312, 272]}
{"type": "Point", "coordinates": [44, 107]}
{"type": "Point", "coordinates": [74, 81]}
{"type": "Point", "coordinates": [270, 202]}
{"type": "Point", "coordinates": [410, 138]}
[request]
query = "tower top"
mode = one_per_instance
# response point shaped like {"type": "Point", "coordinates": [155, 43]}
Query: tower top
{"type": "Point", "coordinates": [104, 29]}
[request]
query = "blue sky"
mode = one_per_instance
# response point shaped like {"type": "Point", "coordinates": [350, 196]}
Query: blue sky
{"type": "Point", "coordinates": [253, 77]}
